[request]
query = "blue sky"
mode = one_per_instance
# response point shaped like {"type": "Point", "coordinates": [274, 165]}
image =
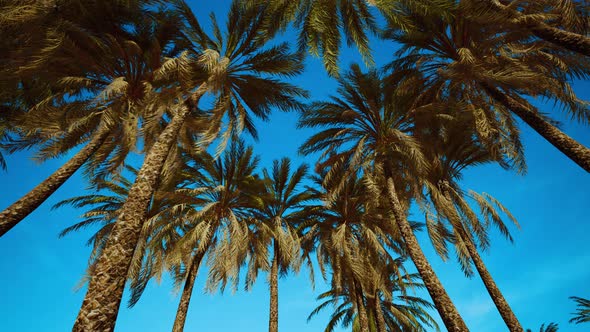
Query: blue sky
{"type": "Point", "coordinates": [548, 261]}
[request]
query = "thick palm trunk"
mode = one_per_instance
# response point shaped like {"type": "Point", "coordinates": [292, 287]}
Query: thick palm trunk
{"type": "Point", "coordinates": [381, 325]}
{"type": "Point", "coordinates": [273, 321]}
{"type": "Point", "coordinates": [445, 307]}
{"type": "Point", "coordinates": [566, 39]}
{"type": "Point", "coordinates": [362, 311]}
{"type": "Point", "coordinates": [20, 209]}
{"type": "Point", "coordinates": [187, 291]}
{"type": "Point", "coordinates": [567, 145]}
{"type": "Point", "coordinates": [569, 40]}
{"type": "Point", "coordinates": [501, 304]}
{"type": "Point", "coordinates": [105, 290]}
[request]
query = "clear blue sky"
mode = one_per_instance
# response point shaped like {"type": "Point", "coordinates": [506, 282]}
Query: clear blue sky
{"type": "Point", "coordinates": [549, 261]}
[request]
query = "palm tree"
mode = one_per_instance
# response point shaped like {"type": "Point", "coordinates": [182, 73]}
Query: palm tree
{"type": "Point", "coordinates": [281, 212]}
{"type": "Point", "coordinates": [537, 17]}
{"type": "Point", "coordinates": [582, 315]}
{"type": "Point", "coordinates": [367, 129]}
{"type": "Point", "coordinates": [216, 197]}
{"type": "Point", "coordinates": [451, 148]}
{"type": "Point", "coordinates": [242, 83]}
{"type": "Point", "coordinates": [408, 313]}
{"type": "Point", "coordinates": [493, 70]}
{"type": "Point", "coordinates": [100, 106]}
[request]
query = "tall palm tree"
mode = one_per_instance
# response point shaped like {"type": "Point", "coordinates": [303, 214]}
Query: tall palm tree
{"type": "Point", "coordinates": [216, 197]}
{"type": "Point", "coordinates": [101, 106]}
{"type": "Point", "coordinates": [239, 66]}
{"type": "Point", "coordinates": [281, 211]}
{"type": "Point", "coordinates": [368, 129]}
{"type": "Point", "coordinates": [451, 148]}
{"type": "Point", "coordinates": [493, 70]}
{"type": "Point", "coordinates": [582, 314]}
{"type": "Point", "coordinates": [569, 30]}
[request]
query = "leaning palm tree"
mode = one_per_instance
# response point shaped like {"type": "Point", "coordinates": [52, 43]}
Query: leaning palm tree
{"type": "Point", "coordinates": [452, 148]}
{"type": "Point", "coordinates": [493, 70]}
{"type": "Point", "coordinates": [367, 129]}
{"type": "Point", "coordinates": [239, 67]}
{"type": "Point", "coordinates": [97, 100]}
{"type": "Point", "coordinates": [282, 209]}
{"type": "Point", "coordinates": [582, 314]}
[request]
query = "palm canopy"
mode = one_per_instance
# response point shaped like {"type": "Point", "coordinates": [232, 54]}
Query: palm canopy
{"type": "Point", "coordinates": [454, 59]}
{"type": "Point", "coordinates": [216, 197]}
{"type": "Point", "coordinates": [93, 90]}
{"type": "Point", "coordinates": [582, 314]}
{"type": "Point", "coordinates": [245, 68]}
{"type": "Point", "coordinates": [283, 208]}
{"type": "Point", "coordinates": [454, 146]}
{"type": "Point", "coordinates": [401, 311]}
{"type": "Point", "coordinates": [323, 25]}
{"type": "Point", "coordinates": [366, 125]}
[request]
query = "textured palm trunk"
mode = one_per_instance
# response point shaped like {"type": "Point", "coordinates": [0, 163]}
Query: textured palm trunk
{"type": "Point", "coordinates": [362, 310]}
{"type": "Point", "coordinates": [503, 307]}
{"type": "Point", "coordinates": [564, 143]}
{"type": "Point", "coordinates": [20, 209]}
{"type": "Point", "coordinates": [381, 325]}
{"type": "Point", "coordinates": [566, 39]}
{"type": "Point", "coordinates": [501, 304]}
{"type": "Point", "coordinates": [187, 292]}
{"type": "Point", "coordinates": [273, 320]}
{"type": "Point", "coordinates": [445, 307]}
{"type": "Point", "coordinates": [105, 290]}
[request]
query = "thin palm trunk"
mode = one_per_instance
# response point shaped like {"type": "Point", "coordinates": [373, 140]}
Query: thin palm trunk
{"type": "Point", "coordinates": [564, 143]}
{"type": "Point", "coordinates": [381, 325]}
{"type": "Point", "coordinates": [566, 39]}
{"type": "Point", "coordinates": [362, 310]}
{"type": "Point", "coordinates": [187, 291]}
{"type": "Point", "coordinates": [445, 307]}
{"type": "Point", "coordinates": [101, 305]}
{"type": "Point", "coordinates": [20, 209]}
{"type": "Point", "coordinates": [503, 307]}
{"type": "Point", "coordinates": [273, 321]}
{"type": "Point", "coordinates": [501, 304]}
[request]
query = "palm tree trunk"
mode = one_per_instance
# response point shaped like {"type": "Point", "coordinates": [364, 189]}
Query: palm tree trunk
{"type": "Point", "coordinates": [564, 143]}
{"type": "Point", "coordinates": [445, 307]}
{"type": "Point", "coordinates": [501, 304]}
{"type": "Point", "coordinates": [20, 209]}
{"type": "Point", "coordinates": [362, 311]}
{"type": "Point", "coordinates": [566, 39]}
{"type": "Point", "coordinates": [381, 325]}
{"type": "Point", "coordinates": [273, 321]}
{"type": "Point", "coordinates": [101, 304]}
{"type": "Point", "coordinates": [503, 307]}
{"type": "Point", "coordinates": [187, 291]}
